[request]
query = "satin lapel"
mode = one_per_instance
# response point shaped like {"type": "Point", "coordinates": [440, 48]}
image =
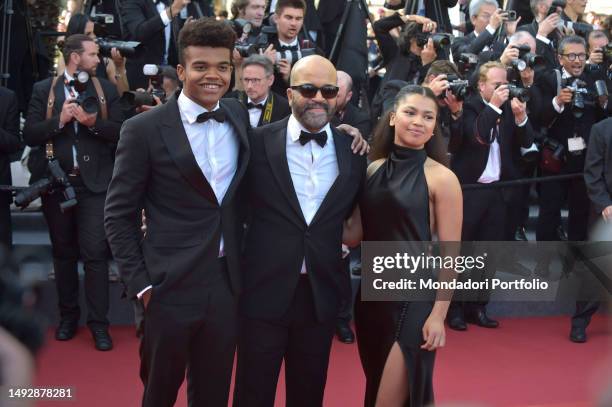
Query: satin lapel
{"type": "Point", "coordinates": [276, 150]}
{"type": "Point", "coordinates": [244, 151]}
{"type": "Point", "coordinates": [343, 155]}
{"type": "Point", "coordinates": [175, 138]}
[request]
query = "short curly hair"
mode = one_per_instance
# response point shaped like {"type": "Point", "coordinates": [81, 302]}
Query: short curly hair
{"type": "Point", "coordinates": [205, 32]}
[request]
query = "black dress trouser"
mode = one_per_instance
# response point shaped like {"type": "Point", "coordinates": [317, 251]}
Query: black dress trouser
{"type": "Point", "coordinates": [79, 233]}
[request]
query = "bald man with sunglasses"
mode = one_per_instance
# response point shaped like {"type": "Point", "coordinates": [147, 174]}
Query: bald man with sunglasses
{"type": "Point", "coordinates": [302, 182]}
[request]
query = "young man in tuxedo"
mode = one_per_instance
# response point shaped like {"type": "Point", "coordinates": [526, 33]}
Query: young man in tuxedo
{"type": "Point", "coordinates": [302, 183]}
{"type": "Point", "coordinates": [83, 144]}
{"type": "Point", "coordinates": [495, 127]}
{"type": "Point", "coordinates": [264, 106]}
{"type": "Point", "coordinates": [183, 162]}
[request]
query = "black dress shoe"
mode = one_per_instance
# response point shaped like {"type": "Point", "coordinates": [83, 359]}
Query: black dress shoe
{"type": "Point", "coordinates": [102, 339]}
{"type": "Point", "coordinates": [578, 334]}
{"type": "Point", "coordinates": [480, 318]}
{"type": "Point", "coordinates": [66, 330]}
{"type": "Point", "coordinates": [344, 332]}
{"type": "Point", "coordinates": [520, 235]}
{"type": "Point", "coordinates": [457, 322]}
{"type": "Point", "coordinates": [561, 233]}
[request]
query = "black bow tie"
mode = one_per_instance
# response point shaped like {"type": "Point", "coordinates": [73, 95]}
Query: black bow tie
{"type": "Point", "coordinates": [254, 106]}
{"type": "Point", "coordinates": [320, 138]}
{"type": "Point", "coordinates": [289, 48]}
{"type": "Point", "coordinates": [218, 115]}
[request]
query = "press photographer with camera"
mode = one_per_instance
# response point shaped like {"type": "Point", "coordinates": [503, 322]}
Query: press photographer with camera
{"type": "Point", "coordinates": [111, 68]}
{"type": "Point", "coordinates": [495, 127]}
{"type": "Point", "coordinates": [252, 12]}
{"type": "Point", "coordinates": [73, 126]}
{"type": "Point", "coordinates": [487, 17]}
{"type": "Point", "coordinates": [545, 29]}
{"type": "Point", "coordinates": [156, 25]}
{"type": "Point", "coordinates": [572, 101]}
{"type": "Point", "coordinates": [600, 52]}
{"type": "Point", "coordinates": [10, 142]}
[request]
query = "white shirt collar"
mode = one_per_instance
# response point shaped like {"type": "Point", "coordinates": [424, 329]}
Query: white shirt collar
{"type": "Point", "coordinates": [290, 44]}
{"type": "Point", "coordinates": [191, 109]}
{"type": "Point", "coordinates": [263, 102]}
{"type": "Point", "coordinates": [295, 128]}
{"type": "Point", "coordinates": [68, 76]}
{"type": "Point", "coordinates": [565, 74]}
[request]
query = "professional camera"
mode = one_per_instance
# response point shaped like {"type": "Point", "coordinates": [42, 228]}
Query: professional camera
{"type": "Point", "coordinates": [102, 23]}
{"type": "Point", "coordinates": [87, 102]}
{"type": "Point", "coordinates": [17, 301]}
{"type": "Point", "coordinates": [457, 86]}
{"type": "Point", "coordinates": [55, 181]}
{"type": "Point", "coordinates": [155, 75]}
{"type": "Point", "coordinates": [248, 43]}
{"type": "Point", "coordinates": [440, 40]}
{"type": "Point", "coordinates": [466, 63]}
{"type": "Point", "coordinates": [581, 29]}
{"type": "Point", "coordinates": [580, 92]}
{"type": "Point", "coordinates": [128, 49]}
{"type": "Point", "coordinates": [553, 7]}
{"type": "Point", "coordinates": [306, 49]}
{"type": "Point", "coordinates": [518, 92]}
{"type": "Point", "coordinates": [532, 61]}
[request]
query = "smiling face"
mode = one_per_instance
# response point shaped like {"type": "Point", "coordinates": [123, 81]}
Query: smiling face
{"type": "Point", "coordinates": [414, 120]}
{"type": "Point", "coordinates": [206, 74]}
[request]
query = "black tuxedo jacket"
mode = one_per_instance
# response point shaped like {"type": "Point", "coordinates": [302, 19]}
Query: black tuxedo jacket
{"type": "Point", "coordinates": [9, 136]}
{"type": "Point", "coordinates": [430, 12]}
{"type": "Point", "coordinates": [9, 132]}
{"type": "Point", "coordinates": [598, 165]}
{"type": "Point", "coordinates": [278, 238]}
{"type": "Point", "coordinates": [156, 170]}
{"type": "Point", "coordinates": [563, 126]}
{"type": "Point", "coordinates": [473, 44]}
{"type": "Point", "coordinates": [95, 148]}
{"type": "Point", "coordinates": [278, 104]}
{"type": "Point", "coordinates": [356, 118]}
{"type": "Point", "coordinates": [470, 156]}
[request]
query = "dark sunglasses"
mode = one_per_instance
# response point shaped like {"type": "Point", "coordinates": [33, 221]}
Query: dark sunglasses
{"type": "Point", "coordinates": [310, 91]}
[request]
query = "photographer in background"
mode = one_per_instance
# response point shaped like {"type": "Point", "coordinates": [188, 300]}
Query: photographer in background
{"type": "Point", "coordinates": [428, 9]}
{"type": "Point", "coordinates": [570, 107]}
{"type": "Point", "coordinates": [600, 52]}
{"type": "Point", "coordinates": [495, 127]}
{"type": "Point", "coordinates": [252, 11]}
{"type": "Point", "coordinates": [544, 28]}
{"type": "Point", "coordinates": [79, 129]}
{"type": "Point", "coordinates": [487, 17]}
{"type": "Point", "coordinates": [10, 142]}
{"type": "Point", "coordinates": [112, 69]}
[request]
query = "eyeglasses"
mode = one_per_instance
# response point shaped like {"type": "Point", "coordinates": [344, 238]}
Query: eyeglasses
{"type": "Point", "coordinates": [254, 81]}
{"type": "Point", "coordinates": [572, 56]}
{"type": "Point", "coordinates": [310, 91]}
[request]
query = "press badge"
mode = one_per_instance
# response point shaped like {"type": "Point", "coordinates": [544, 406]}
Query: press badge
{"type": "Point", "coordinates": [575, 144]}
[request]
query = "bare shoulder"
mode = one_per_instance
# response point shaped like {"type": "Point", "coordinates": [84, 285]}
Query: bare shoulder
{"type": "Point", "coordinates": [440, 178]}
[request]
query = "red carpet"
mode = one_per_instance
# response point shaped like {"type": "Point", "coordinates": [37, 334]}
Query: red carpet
{"type": "Point", "coordinates": [526, 362]}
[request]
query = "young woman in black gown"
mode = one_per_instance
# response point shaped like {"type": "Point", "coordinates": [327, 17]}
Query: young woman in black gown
{"type": "Point", "coordinates": [409, 196]}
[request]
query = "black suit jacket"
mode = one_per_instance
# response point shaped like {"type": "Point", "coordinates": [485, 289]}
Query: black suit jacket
{"type": "Point", "coordinates": [95, 148]}
{"type": "Point", "coordinates": [156, 170]}
{"type": "Point", "coordinates": [356, 118]}
{"type": "Point", "coordinates": [10, 141]}
{"type": "Point", "coordinates": [141, 22]}
{"type": "Point", "coordinates": [564, 125]}
{"type": "Point", "coordinates": [473, 44]}
{"type": "Point", "coordinates": [430, 12]}
{"type": "Point", "coordinates": [278, 238]}
{"type": "Point", "coordinates": [598, 165]}
{"type": "Point", "coordinates": [547, 51]}
{"type": "Point", "coordinates": [471, 154]}
{"type": "Point", "coordinates": [278, 104]}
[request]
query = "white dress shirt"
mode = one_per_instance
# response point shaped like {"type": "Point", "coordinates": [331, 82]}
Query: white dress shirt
{"type": "Point", "coordinates": [215, 147]}
{"type": "Point", "coordinates": [161, 9]}
{"type": "Point", "coordinates": [254, 113]}
{"type": "Point", "coordinates": [313, 169]}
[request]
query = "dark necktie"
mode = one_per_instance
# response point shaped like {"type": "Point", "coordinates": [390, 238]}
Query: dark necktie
{"type": "Point", "coordinates": [254, 106]}
{"type": "Point", "coordinates": [218, 115]}
{"type": "Point", "coordinates": [320, 138]}
{"type": "Point", "coordinates": [288, 48]}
